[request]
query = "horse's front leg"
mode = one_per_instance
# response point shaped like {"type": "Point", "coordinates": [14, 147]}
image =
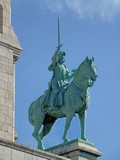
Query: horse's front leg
{"type": "Point", "coordinates": [67, 125]}
{"type": "Point", "coordinates": [82, 117]}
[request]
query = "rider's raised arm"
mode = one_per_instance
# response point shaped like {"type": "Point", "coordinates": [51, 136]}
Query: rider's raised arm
{"type": "Point", "coordinates": [54, 58]}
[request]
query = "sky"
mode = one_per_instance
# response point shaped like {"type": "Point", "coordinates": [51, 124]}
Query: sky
{"type": "Point", "coordinates": [88, 28]}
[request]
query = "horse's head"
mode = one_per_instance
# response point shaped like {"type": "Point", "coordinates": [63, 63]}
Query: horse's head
{"type": "Point", "coordinates": [90, 69]}
{"type": "Point", "coordinates": [86, 73]}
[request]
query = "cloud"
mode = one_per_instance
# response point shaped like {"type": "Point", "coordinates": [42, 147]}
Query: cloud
{"type": "Point", "coordinates": [54, 5]}
{"type": "Point", "coordinates": [105, 9]}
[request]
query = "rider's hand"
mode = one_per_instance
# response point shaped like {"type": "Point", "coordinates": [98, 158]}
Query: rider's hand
{"type": "Point", "coordinates": [58, 47]}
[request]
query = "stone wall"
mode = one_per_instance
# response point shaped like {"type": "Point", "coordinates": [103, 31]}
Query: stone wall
{"type": "Point", "coordinates": [6, 93]}
{"type": "Point", "coordinates": [9, 52]}
{"type": "Point", "coordinates": [13, 151]}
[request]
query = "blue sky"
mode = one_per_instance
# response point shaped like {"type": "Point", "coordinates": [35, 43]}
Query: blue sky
{"type": "Point", "coordinates": [88, 28]}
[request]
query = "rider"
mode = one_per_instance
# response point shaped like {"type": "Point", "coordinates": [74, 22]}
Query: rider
{"type": "Point", "coordinates": [59, 81]}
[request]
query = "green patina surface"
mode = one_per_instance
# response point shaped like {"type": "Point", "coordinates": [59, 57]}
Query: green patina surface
{"type": "Point", "coordinates": [66, 96]}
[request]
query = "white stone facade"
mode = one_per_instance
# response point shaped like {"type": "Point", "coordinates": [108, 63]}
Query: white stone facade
{"type": "Point", "coordinates": [6, 94]}
{"type": "Point", "coordinates": [9, 53]}
{"type": "Point", "coordinates": [13, 151]}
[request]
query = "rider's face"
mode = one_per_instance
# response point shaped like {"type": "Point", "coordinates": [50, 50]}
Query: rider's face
{"type": "Point", "coordinates": [61, 58]}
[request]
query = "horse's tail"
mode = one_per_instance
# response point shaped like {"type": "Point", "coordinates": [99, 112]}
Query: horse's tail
{"type": "Point", "coordinates": [31, 114]}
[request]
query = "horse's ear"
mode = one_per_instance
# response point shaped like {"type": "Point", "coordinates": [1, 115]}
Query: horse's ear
{"type": "Point", "coordinates": [93, 59]}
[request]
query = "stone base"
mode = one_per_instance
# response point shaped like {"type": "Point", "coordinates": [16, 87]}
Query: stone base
{"type": "Point", "coordinates": [12, 151]}
{"type": "Point", "coordinates": [76, 150]}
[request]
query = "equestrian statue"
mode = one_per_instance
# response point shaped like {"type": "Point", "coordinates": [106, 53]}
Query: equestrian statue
{"type": "Point", "coordinates": [67, 95]}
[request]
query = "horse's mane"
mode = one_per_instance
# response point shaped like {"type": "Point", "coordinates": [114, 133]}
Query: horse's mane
{"type": "Point", "coordinates": [78, 69]}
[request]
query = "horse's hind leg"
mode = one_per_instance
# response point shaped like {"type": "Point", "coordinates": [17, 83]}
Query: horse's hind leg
{"type": "Point", "coordinates": [37, 126]}
{"type": "Point", "coordinates": [46, 129]}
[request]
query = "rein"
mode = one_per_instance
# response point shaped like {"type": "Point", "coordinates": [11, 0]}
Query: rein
{"type": "Point", "coordinates": [77, 89]}
{"type": "Point", "coordinates": [83, 95]}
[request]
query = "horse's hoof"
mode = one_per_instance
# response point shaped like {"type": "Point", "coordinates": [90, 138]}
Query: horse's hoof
{"type": "Point", "coordinates": [84, 138]}
{"type": "Point", "coordinates": [65, 140]}
{"type": "Point", "coordinates": [40, 147]}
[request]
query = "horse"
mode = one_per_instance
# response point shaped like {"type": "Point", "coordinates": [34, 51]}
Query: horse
{"type": "Point", "coordinates": [76, 101]}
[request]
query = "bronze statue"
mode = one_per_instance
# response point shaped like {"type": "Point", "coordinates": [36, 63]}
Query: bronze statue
{"type": "Point", "coordinates": [59, 81]}
{"type": "Point", "coordinates": [63, 99]}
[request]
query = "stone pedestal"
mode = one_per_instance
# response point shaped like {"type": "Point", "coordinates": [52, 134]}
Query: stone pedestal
{"type": "Point", "coordinates": [76, 150]}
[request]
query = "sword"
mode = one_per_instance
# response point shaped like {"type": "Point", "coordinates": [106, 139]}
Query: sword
{"type": "Point", "coordinates": [59, 45]}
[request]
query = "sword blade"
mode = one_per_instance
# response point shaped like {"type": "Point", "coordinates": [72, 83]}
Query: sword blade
{"type": "Point", "coordinates": [58, 32]}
